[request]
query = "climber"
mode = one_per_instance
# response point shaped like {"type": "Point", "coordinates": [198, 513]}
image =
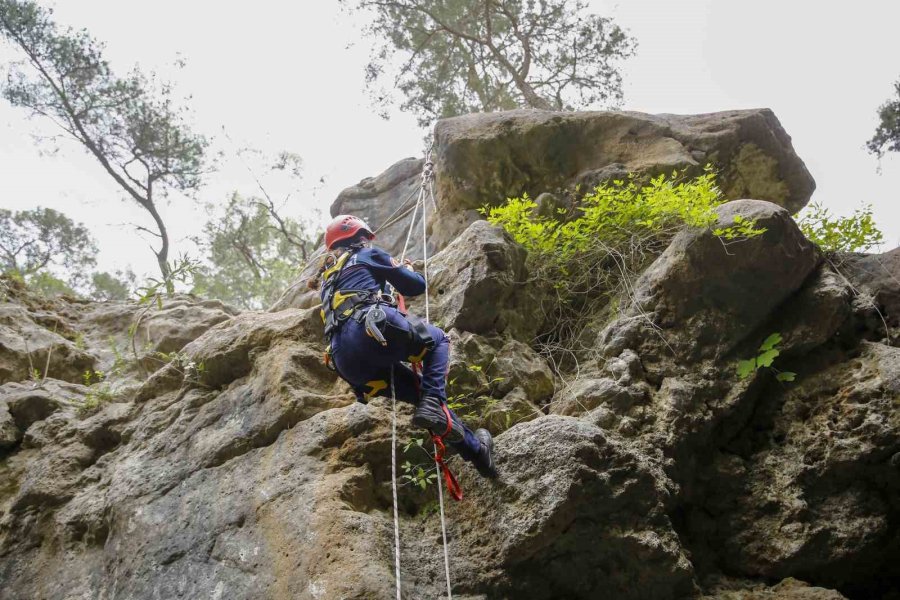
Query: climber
{"type": "Point", "coordinates": [367, 335]}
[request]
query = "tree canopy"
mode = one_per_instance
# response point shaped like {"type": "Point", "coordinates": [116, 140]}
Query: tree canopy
{"type": "Point", "coordinates": [54, 255]}
{"type": "Point", "coordinates": [253, 252]}
{"type": "Point", "coordinates": [130, 124]}
{"type": "Point", "coordinates": [887, 135]}
{"type": "Point", "coordinates": [450, 57]}
{"type": "Point", "coordinates": [38, 240]}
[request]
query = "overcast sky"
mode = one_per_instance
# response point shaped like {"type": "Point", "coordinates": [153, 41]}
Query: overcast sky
{"type": "Point", "coordinates": [288, 76]}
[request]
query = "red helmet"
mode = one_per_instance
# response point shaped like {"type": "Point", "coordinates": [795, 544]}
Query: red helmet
{"type": "Point", "coordinates": [345, 227]}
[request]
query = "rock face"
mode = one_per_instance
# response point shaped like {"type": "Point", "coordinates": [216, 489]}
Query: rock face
{"type": "Point", "coordinates": [242, 468]}
{"type": "Point", "coordinates": [31, 346]}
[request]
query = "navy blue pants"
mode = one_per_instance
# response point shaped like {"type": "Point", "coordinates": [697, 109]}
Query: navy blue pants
{"type": "Point", "coordinates": [366, 365]}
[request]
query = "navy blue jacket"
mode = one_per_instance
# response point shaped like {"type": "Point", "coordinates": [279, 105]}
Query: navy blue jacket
{"type": "Point", "coordinates": [371, 268]}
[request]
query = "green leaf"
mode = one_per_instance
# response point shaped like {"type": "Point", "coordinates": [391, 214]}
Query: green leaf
{"type": "Point", "coordinates": [746, 367]}
{"type": "Point", "coordinates": [786, 376]}
{"type": "Point", "coordinates": [767, 358]}
{"type": "Point", "coordinates": [770, 342]}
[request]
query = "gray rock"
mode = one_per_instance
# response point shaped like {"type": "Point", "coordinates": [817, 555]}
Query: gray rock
{"type": "Point", "coordinates": [586, 394]}
{"type": "Point", "coordinates": [815, 314]}
{"type": "Point", "coordinates": [180, 322]}
{"type": "Point", "coordinates": [479, 284]}
{"type": "Point", "coordinates": [226, 350]}
{"type": "Point", "coordinates": [787, 589]}
{"type": "Point", "coordinates": [808, 485]}
{"type": "Point", "coordinates": [28, 406]}
{"type": "Point", "coordinates": [570, 501]}
{"type": "Point", "coordinates": [25, 344]}
{"type": "Point", "coordinates": [499, 381]}
{"type": "Point", "coordinates": [699, 298]}
{"type": "Point", "coordinates": [10, 434]}
{"type": "Point", "coordinates": [876, 279]}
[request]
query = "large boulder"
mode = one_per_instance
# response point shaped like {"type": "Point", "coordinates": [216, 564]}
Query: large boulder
{"type": "Point", "coordinates": [700, 298]}
{"type": "Point", "coordinates": [573, 512]}
{"type": "Point", "coordinates": [483, 159]}
{"type": "Point", "coordinates": [479, 284]}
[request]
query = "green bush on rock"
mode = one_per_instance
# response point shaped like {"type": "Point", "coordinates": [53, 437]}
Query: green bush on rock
{"type": "Point", "coordinates": [590, 253]}
{"type": "Point", "coordinates": [856, 233]}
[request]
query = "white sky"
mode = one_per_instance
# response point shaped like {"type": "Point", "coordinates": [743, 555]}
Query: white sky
{"type": "Point", "coordinates": [288, 76]}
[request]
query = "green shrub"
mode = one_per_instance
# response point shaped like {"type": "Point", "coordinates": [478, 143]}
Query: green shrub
{"type": "Point", "coordinates": [591, 252]}
{"type": "Point", "coordinates": [856, 233]}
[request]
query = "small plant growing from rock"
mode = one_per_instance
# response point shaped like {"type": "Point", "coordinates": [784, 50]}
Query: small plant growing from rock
{"type": "Point", "coordinates": [90, 377]}
{"type": "Point", "coordinates": [475, 403]}
{"type": "Point", "coordinates": [151, 294]}
{"type": "Point", "coordinates": [768, 352]}
{"type": "Point", "coordinates": [94, 400]}
{"type": "Point", "coordinates": [417, 474]}
{"type": "Point", "coordinates": [191, 370]}
{"type": "Point", "coordinates": [120, 363]}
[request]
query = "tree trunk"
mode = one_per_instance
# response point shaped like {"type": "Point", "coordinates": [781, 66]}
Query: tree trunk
{"type": "Point", "coordinates": [162, 256]}
{"type": "Point", "coordinates": [533, 99]}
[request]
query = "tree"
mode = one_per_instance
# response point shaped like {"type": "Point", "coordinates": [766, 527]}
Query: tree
{"type": "Point", "coordinates": [887, 135]}
{"type": "Point", "coordinates": [54, 256]}
{"type": "Point", "coordinates": [130, 125]}
{"type": "Point", "coordinates": [461, 56]}
{"type": "Point", "coordinates": [253, 253]}
{"type": "Point", "coordinates": [34, 241]}
{"type": "Point", "coordinates": [112, 286]}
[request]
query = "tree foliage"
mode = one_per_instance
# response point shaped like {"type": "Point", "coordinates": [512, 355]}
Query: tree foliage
{"type": "Point", "coordinates": [461, 56]}
{"type": "Point", "coordinates": [130, 125]}
{"type": "Point", "coordinates": [112, 286]}
{"type": "Point", "coordinates": [34, 241]}
{"type": "Point", "coordinates": [54, 255]}
{"type": "Point", "coordinates": [887, 135]}
{"type": "Point", "coordinates": [856, 233]}
{"type": "Point", "coordinates": [253, 253]}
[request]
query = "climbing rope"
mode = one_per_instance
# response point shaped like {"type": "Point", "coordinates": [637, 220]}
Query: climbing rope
{"type": "Point", "coordinates": [440, 467]}
{"type": "Point", "coordinates": [426, 186]}
{"type": "Point", "coordinates": [394, 483]}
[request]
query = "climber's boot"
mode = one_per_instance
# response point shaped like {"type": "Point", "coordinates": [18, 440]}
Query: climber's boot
{"type": "Point", "coordinates": [484, 462]}
{"type": "Point", "coordinates": [432, 414]}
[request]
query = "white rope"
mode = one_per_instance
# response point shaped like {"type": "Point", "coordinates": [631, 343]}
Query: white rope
{"type": "Point", "coordinates": [427, 183]}
{"type": "Point", "coordinates": [394, 483]}
{"type": "Point", "coordinates": [419, 201]}
{"type": "Point", "coordinates": [427, 178]}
